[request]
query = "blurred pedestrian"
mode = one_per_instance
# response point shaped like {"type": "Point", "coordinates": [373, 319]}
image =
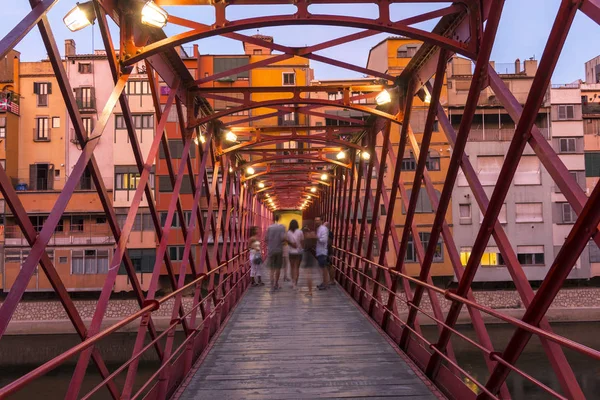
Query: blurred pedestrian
{"type": "Point", "coordinates": [275, 239]}
{"type": "Point", "coordinates": [256, 257]}
{"type": "Point", "coordinates": [309, 260]}
{"type": "Point", "coordinates": [294, 239]}
{"type": "Point", "coordinates": [321, 251]}
{"type": "Point", "coordinates": [330, 267]}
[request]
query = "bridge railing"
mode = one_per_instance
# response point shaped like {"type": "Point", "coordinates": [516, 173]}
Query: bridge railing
{"type": "Point", "coordinates": [419, 348]}
{"type": "Point", "coordinates": [214, 307]}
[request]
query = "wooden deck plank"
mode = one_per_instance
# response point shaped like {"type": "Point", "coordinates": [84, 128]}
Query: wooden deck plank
{"type": "Point", "coordinates": [285, 345]}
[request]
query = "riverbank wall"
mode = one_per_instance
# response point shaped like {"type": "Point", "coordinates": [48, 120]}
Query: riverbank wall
{"type": "Point", "coordinates": [49, 317]}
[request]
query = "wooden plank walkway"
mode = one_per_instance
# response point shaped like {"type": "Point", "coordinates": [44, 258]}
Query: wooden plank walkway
{"type": "Point", "coordinates": [285, 345]}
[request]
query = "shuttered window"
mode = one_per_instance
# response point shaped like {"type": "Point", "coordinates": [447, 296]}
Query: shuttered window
{"type": "Point", "coordinates": [222, 64]}
{"type": "Point", "coordinates": [529, 212]}
{"type": "Point", "coordinates": [528, 171]}
{"type": "Point", "coordinates": [592, 164]}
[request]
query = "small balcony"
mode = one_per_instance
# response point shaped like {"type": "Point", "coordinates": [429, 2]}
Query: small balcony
{"type": "Point", "coordinates": [87, 234]}
{"type": "Point", "coordinates": [9, 102]}
{"type": "Point", "coordinates": [86, 104]}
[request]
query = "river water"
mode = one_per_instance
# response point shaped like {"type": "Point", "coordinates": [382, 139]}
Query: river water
{"type": "Point", "coordinates": [20, 354]}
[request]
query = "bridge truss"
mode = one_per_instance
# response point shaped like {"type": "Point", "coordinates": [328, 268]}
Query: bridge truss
{"type": "Point", "coordinates": [467, 28]}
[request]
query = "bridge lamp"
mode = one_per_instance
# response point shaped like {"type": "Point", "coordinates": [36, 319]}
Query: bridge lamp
{"type": "Point", "coordinates": [365, 155]}
{"type": "Point", "coordinates": [200, 139]}
{"type": "Point", "coordinates": [230, 136]}
{"type": "Point", "coordinates": [324, 177]}
{"type": "Point", "coordinates": [261, 185]}
{"type": "Point", "coordinates": [153, 15]}
{"type": "Point", "coordinates": [308, 196]}
{"type": "Point", "coordinates": [313, 189]}
{"type": "Point", "coordinates": [230, 170]}
{"type": "Point", "coordinates": [341, 155]}
{"type": "Point", "coordinates": [250, 171]}
{"type": "Point", "coordinates": [80, 16]}
{"type": "Point", "coordinates": [427, 98]}
{"type": "Point", "coordinates": [383, 98]}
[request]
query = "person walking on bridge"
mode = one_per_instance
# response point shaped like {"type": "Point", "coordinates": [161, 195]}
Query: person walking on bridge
{"type": "Point", "coordinates": [256, 259]}
{"type": "Point", "coordinates": [294, 238]}
{"type": "Point", "coordinates": [321, 250]}
{"type": "Point", "coordinates": [275, 239]}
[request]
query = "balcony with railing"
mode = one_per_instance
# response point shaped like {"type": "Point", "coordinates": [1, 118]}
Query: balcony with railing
{"type": "Point", "coordinates": [82, 234]}
{"type": "Point", "coordinates": [9, 102]}
{"type": "Point", "coordinates": [86, 104]}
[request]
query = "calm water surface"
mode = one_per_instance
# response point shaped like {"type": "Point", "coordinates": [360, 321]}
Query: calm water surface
{"type": "Point", "coordinates": [20, 354]}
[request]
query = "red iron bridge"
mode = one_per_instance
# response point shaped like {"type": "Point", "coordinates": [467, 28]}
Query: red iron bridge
{"type": "Point", "coordinates": [242, 342]}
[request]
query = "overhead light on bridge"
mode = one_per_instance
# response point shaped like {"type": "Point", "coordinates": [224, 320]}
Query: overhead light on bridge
{"type": "Point", "coordinates": [261, 185]}
{"type": "Point", "coordinates": [383, 98]}
{"type": "Point", "coordinates": [341, 155]}
{"type": "Point", "coordinates": [230, 136]}
{"type": "Point", "coordinates": [313, 189]}
{"type": "Point", "coordinates": [250, 171]}
{"type": "Point", "coordinates": [153, 15]}
{"type": "Point", "coordinates": [200, 139]}
{"type": "Point", "coordinates": [365, 155]}
{"type": "Point", "coordinates": [80, 16]}
{"type": "Point", "coordinates": [427, 98]}
{"type": "Point", "coordinates": [230, 170]}
{"type": "Point", "coordinates": [324, 177]}
{"type": "Point", "coordinates": [308, 196]}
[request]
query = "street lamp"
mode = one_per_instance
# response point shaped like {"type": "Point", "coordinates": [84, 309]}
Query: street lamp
{"type": "Point", "coordinates": [341, 155]}
{"type": "Point", "coordinates": [153, 15]}
{"type": "Point", "coordinates": [230, 136]}
{"type": "Point", "coordinates": [313, 189]}
{"type": "Point", "coordinates": [261, 185]}
{"type": "Point", "coordinates": [365, 155]}
{"type": "Point", "coordinates": [250, 171]}
{"type": "Point", "coordinates": [383, 98]}
{"type": "Point", "coordinates": [324, 177]}
{"type": "Point", "coordinates": [80, 16]}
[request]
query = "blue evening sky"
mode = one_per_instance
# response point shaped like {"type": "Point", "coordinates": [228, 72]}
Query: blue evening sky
{"type": "Point", "coordinates": [523, 32]}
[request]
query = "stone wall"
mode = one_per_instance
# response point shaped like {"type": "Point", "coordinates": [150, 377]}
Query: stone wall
{"type": "Point", "coordinates": [507, 300]}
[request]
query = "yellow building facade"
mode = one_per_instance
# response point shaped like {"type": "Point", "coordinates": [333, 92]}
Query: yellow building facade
{"type": "Point", "coordinates": [391, 56]}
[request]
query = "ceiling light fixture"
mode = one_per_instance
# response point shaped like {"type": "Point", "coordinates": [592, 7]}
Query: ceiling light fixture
{"type": "Point", "coordinates": [153, 15]}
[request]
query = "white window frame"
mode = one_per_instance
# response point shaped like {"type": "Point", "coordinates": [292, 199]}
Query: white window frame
{"type": "Point", "coordinates": [568, 142]}
{"type": "Point", "coordinates": [566, 209]}
{"type": "Point", "coordinates": [465, 219]}
{"type": "Point", "coordinates": [526, 219]}
{"type": "Point", "coordinates": [283, 75]}
{"type": "Point", "coordinates": [564, 109]}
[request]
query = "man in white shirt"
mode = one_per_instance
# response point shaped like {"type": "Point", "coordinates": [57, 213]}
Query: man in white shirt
{"type": "Point", "coordinates": [321, 250]}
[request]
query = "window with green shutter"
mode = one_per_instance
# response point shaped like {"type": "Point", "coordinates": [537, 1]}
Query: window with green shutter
{"type": "Point", "coordinates": [592, 164]}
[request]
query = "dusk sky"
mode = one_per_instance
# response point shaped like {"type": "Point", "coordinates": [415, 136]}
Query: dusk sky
{"type": "Point", "coordinates": [523, 32]}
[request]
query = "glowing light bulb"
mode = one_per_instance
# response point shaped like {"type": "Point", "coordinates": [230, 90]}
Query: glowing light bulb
{"type": "Point", "coordinates": [341, 155]}
{"type": "Point", "coordinates": [383, 98]}
{"type": "Point", "coordinates": [250, 170]}
{"type": "Point", "coordinates": [324, 177]}
{"type": "Point", "coordinates": [230, 136]}
{"type": "Point", "coordinates": [153, 15]}
{"type": "Point", "coordinates": [261, 185]}
{"type": "Point", "coordinates": [365, 155]}
{"type": "Point", "coordinates": [313, 189]}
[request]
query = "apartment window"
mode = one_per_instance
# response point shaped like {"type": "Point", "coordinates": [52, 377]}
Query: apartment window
{"type": "Point", "coordinates": [42, 90]}
{"type": "Point", "coordinates": [164, 185]}
{"type": "Point", "coordinates": [143, 260]}
{"type": "Point", "coordinates": [528, 171]}
{"type": "Point", "coordinates": [137, 87]}
{"type": "Point", "coordinates": [140, 121]}
{"type": "Point", "coordinates": [77, 223]}
{"type": "Point", "coordinates": [38, 221]}
{"type": "Point", "coordinates": [56, 122]}
{"type": "Point", "coordinates": [489, 169]}
{"type": "Point", "coordinates": [490, 258]}
{"type": "Point", "coordinates": [567, 145]}
{"type": "Point", "coordinates": [63, 260]}
{"type": "Point", "coordinates": [568, 214]}
{"type": "Point", "coordinates": [566, 111]}
{"type": "Point", "coordinates": [141, 222]}
{"type": "Point", "coordinates": [407, 51]}
{"type": "Point", "coordinates": [176, 223]}
{"type": "Point", "coordinates": [176, 253]}
{"type": "Point", "coordinates": [432, 163]}
{"type": "Point", "coordinates": [335, 96]}
{"type": "Point", "coordinates": [464, 212]}
{"type": "Point", "coordinates": [257, 52]}
{"type": "Point", "coordinates": [501, 216]}
{"type": "Point", "coordinates": [411, 253]}
{"type": "Point", "coordinates": [530, 255]}
{"type": "Point", "coordinates": [88, 125]}
{"type": "Point", "coordinates": [41, 176]}
{"type": "Point", "coordinates": [529, 212]}
{"type": "Point", "coordinates": [176, 150]}
{"type": "Point", "coordinates": [2, 127]}
{"type": "Point", "coordinates": [85, 68]}
{"type": "Point", "coordinates": [423, 203]}
{"type": "Point", "coordinates": [86, 182]}
{"type": "Point", "coordinates": [592, 164]}
{"type": "Point", "coordinates": [85, 262]}
{"type": "Point", "coordinates": [127, 177]}
{"type": "Point", "coordinates": [289, 78]}
{"type": "Point", "coordinates": [42, 129]}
